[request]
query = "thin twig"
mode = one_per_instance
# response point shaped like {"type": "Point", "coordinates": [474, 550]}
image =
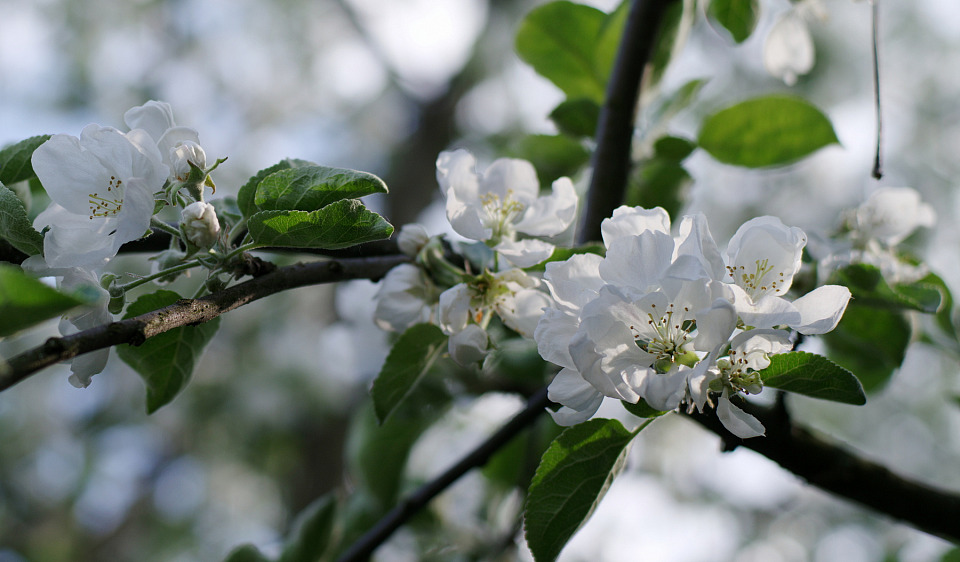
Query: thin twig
{"type": "Point", "coordinates": [611, 161]}
{"type": "Point", "coordinates": [875, 17]}
{"type": "Point", "coordinates": [365, 545]}
{"type": "Point", "coordinates": [192, 311]}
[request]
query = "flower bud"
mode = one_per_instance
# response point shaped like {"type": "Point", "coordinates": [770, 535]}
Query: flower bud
{"type": "Point", "coordinates": [199, 224]}
{"type": "Point", "coordinates": [412, 238]}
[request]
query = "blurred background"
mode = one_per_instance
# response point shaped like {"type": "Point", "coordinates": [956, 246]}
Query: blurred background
{"type": "Point", "coordinates": [383, 86]}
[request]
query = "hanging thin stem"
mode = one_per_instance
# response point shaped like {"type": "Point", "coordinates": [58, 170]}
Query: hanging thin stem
{"type": "Point", "coordinates": [874, 7]}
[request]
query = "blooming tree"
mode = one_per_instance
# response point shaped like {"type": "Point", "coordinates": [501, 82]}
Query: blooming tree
{"type": "Point", "coordinates": [639, 304]}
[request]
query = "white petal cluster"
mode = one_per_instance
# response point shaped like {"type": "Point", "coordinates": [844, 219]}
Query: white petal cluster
{"type": "Point", "coordinates": [502, 202]}
{"type": "Point", "coordinates": [199, 223]}
{"type": "Point", "coordinates": [663, 316]}
{"type": "Point", "coordinates": [179, 146]}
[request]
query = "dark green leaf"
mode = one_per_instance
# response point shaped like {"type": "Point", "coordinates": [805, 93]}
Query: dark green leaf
{"type": "Point", "coordinates": [338, 225]}
{"type": "Point", "coordinates": [25, 301]}
{"type": "Point", "coordinates": [577, 118]}
{"type": "Point", "coordinates": [813, 375]}
{"type": "Point", "coordinates": [246, 553]}
{"type": "Point", "coordinates": [766, 131]}
{"type": "Point", "coordinates": [559, 41]}
{"type": "Point", "coordinates": [165, 362]}
{"type": "Point", "coordinates": [553, 156]}
{"type": "Point", "coordinates": [573, 476]}
{"type": "Point", "coordinates": [868, 287]}
{"type": "Point", "coordinates": [869, 341]}
{"type": "Point", "coordinates": [659, 182]}
{"type": "Point", "coordinates": [312, 531]}
{"type": "Point", "coordinates": [641, 409]}
{"type": "Point", "coordinates": [15, 226]}
{"type": "Point", "coordinates": [409, 359]}
{"type": "Point", "coordinates": [15, 164]}
{"type": "Point", "coordinates": [739, 17]}
{"type": "Point", "coordinates": [310, 188]}
{"type": "Point", "coordinates": [945, 312]}
{"type": "Point", "coordinates": [247, 193]}
{"type": "Point", "coordinates": [674, 149]}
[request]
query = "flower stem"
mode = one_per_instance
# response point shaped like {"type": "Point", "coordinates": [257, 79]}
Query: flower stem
{"type": "Point", "coordinates": [137, 282]}
{"type": "Point", "coordinates": [160, 225]}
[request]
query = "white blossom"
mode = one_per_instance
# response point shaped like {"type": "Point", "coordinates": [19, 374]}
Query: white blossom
{"type": "Point", "coordinates": [412, 238]}
{"type": "Point", "coordinates": [102, 186]}
{"type": "Point", "coordinates": [788, 50]}
{"type": "Point", "coordinates": [179, 146]}
{"type": "Point", "coordinates": [199, 223]}
{"type": "Point", "coordinates": [504, 201]}
{"type": "Point", "coordinates": [406, 297]}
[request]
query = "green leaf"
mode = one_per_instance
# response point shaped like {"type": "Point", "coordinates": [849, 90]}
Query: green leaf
{"type": "Point", "coordinates": [868, 287]}
{"type": "Point", "coordinates": [559, 41]}
{"type": "Point", "coordinates": [15, 164]}
{"type": "Point", "coordinates": [246, 553]}
{"type": "Point", "coordinates": [766, 131]}
{"type": "Point", "coordinates": [247, 193]}
{"type": "Point", "coordinates": [410, 358]}
{"type": "Point", "coordinates": [313, 187]}
{"type": "Point", "coordinates": [165, 362]}
{"type": "Point", "coordinates": [669, 105]}
{"type": "Point", "coordinates": [577, 118]}
{"type": "Point", "coordinates": [25, 301]}
{"type": "Point", "coordinates": [15, 226]}
{"type": "Point", "coordinates": [341, 224]}
{"type": "Point", "coordinates": [641, 409]}
{"type": "Point", "coordinates": [608, 41]}
{"type": "Point", "coordinates": [869, 341]}
{"type": "Point", "coordinates": [573, 476]}
{"type": "Point", "coordinates": [312, 531]}
{"type": "Point", "coordinates": [813, 375]}
{"type": "Point", "coordinates": [945, 312]}
{"type": "Point", "coordinates": [553, 156]}
{"type": "Point", "coordinates": [677, 21]}
{"type": "Point", "coordinates": [738, 17]}
{"type": "Point", "coordinates": [659, 182]}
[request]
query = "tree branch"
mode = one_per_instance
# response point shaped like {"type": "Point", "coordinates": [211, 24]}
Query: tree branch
{"type": "Point", "coordinates": [611, 161]}
{"type": "Point", "coordinates": [187, 312]}
{"type": "Point", "coordinates": [365, 545]}
{"type": "Point", "coordinates": [830, 467]}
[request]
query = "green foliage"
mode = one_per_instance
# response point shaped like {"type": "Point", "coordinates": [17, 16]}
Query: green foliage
{"type": "Point", "coordinates": [165, 362]}
{"type": "Point", "coordinates": [577, 118]}
{"type": "Point", "coordinates": [312, 531]}
{"type": "Point", "coordinates": [738, 17]}
{"type": "Point", "coordinates": [869, 341]}
{"type": "Point", "coordinates": [667, 106]}
{"type": "Point", "coordinates": [573, 476]}
{"type": "Point", "coordinates": [25, 301]}
{"type": "Point", "coordinates": [813, 375]}
{"type": "Point", "coordinates": [766, 131]}
{"type": "Point", "coordinates": [15, 164]}
{"type": "Point", "coordinates": [553, 156]}
{"type": "Point", "coordinates": [15, 226]}
{"type": "Point", "coordinates": [248, 191]}
{"type": "Point", "coordinates": [945, 312]}
{"type": "Point", "coordinates": [560, 41]}
{"type": "Point", "coordinates": [246, 553]}
{"type": "Point", "coordinates": [661, 180]}
{"type": "Point", "coordinates": [311, 188]}
{"type": "Point", "coordinates": [338, 225]}
{"type": "Point", "coordinates": [677, 20]}
{"type": "Point", "coordinates": [641, 409]}
{"type": "Point", "coordinates": [868, 287]}
{"type": "Point", "coordinates": [409, 360]}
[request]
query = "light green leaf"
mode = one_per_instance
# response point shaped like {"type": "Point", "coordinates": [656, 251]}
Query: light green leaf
{"type": "Point", "coordinates": [609, 39]}
{"type": "Point", "coordinates": [945, 312]}
{"type": "Point", "coordinates": [15, 226]}
{"type": "Point", "coordinates": [248, 192]}
{"type": "Point", "coordinates": [813, 375]}
{"type": "Point", "coordinates": [15, 164]}
{"type": "Point", "coordinates": [25, 301]}
{"type": "Point", "coordinates": [410, 358]}
{"type": "Point", "coordinates": [576, 118]}
{"type": "Point", "coordinates": [573, 476]}
{"type": "Point", "coordinates": [313, 187]}
{"type": "Point", "coordinates": [868, 287]}
{"type": "Point", "coordinates": [869, 341]}
{"type": "Point", "coordinates": [312, 531]}
{"type": "Point", "coordinates": [738, 17]}
{"type": "Point", "coordinates": [559, 41]}
{"type": "Point", "coordinates": [165, 362]}
{"type": "Point", "coordinates": [246, 553]}
{"type": "Point", "coordinates": [766, 131]}
{"type": "Point", "coordinates": [338, 225]}
{"type": "Point", "coordinates": [668, 106]}
{"type": "Point", "coordinates": [678, 18]}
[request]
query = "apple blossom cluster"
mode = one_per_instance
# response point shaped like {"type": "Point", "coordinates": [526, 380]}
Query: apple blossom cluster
{"type": "Point", "coordinates": [493, 208]}
{"type": "Point", "coordinates": [105, 187]}
{"type": "Point", "coordinates": [669, 320]}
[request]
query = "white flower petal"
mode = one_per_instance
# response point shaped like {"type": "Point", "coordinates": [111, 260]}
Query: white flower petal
{"type": "Point", "coordinates": [468, 346]}
{"type": "Point", "coordinates": [638, 261]}
{"type": "Point", "coordinates": [522, 312]}
{"type": "Point", "coordinates": [524, 253]}
{"type": "Point", "coordinates": [466, 219]}
{"type": "Point", "coordinates": [821, 309]}
{"type": "Point", "coordinates": [695, 240]}
{"type": "Point", "coordinates": [511, 178]}
{"type": "Point", "coordinates": [569, 389]}
{"type": "Point", "coordinates": [738, 422]}
{"type": "Point", "coordinates": [552, 214]}
{"type": "Point", "coordinates": [890, 214]}
{"type": "Point", "coordinates": [631, 221]}
{"type": "Point", "coordinates": [788, 50]}
{"type": "Point", "coordinates": [575, 281]}
{"type": "Point", "coordinates": [154, 117]}
{"type": "Point", "coordinates": [454, 308]}
{"type": "Point", "coordinates": [553, 334]}
{"type": "Point", "coordinates": [768, 312]}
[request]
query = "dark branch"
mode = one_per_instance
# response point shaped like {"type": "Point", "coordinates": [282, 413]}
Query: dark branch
{"type": "Point", "coordinates": [192, 311]}
{"type": "Point", "coordinates": [364, 547]}
{"type": "Point", "coordinates": [832, 468]}
{"type": "Point", "coordinates": [611, 161]}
